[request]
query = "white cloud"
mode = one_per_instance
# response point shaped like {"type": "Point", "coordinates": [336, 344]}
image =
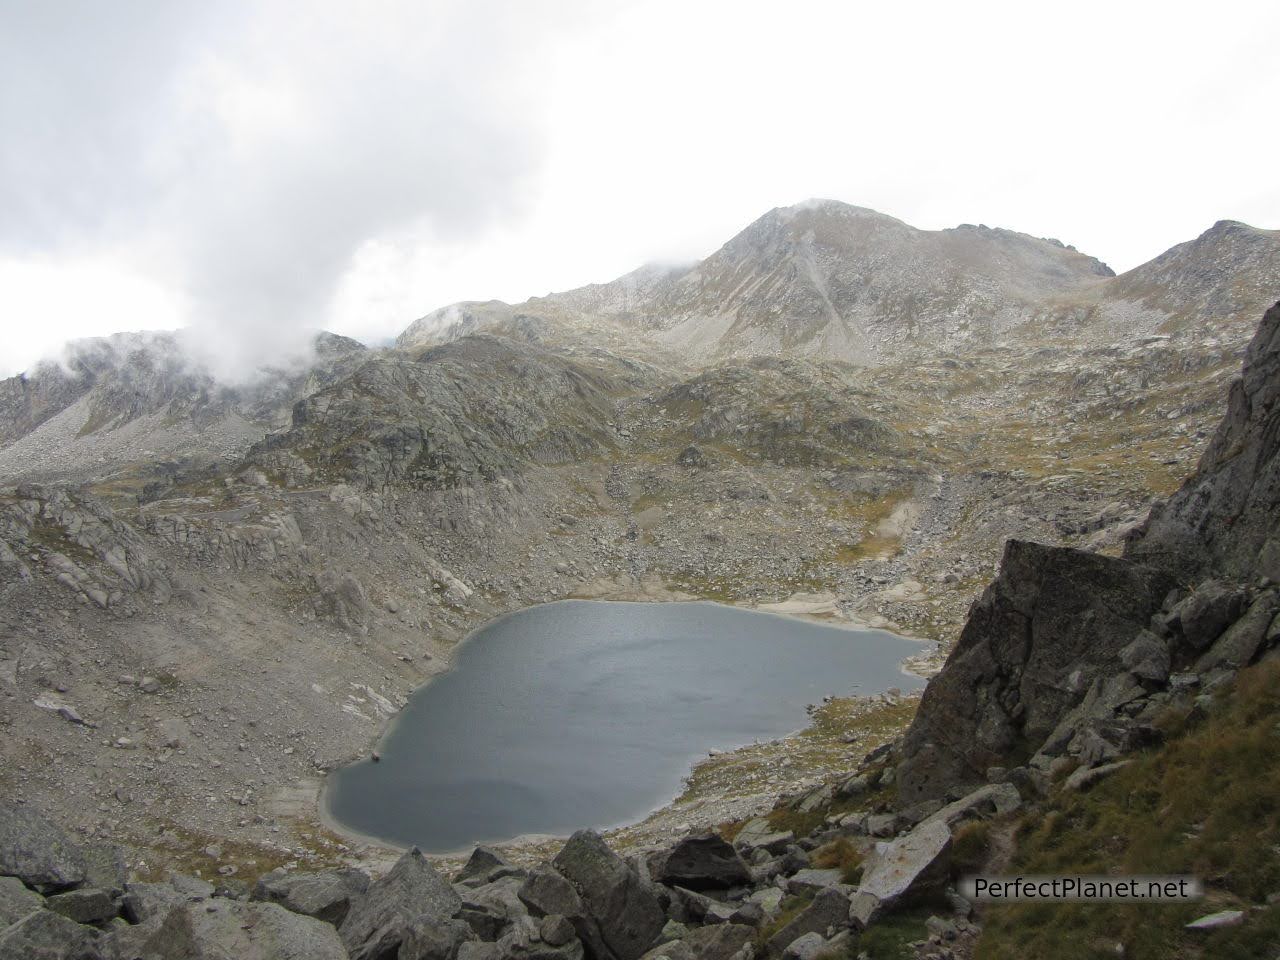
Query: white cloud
{"type": "Point", "coordinates": [259, 169]}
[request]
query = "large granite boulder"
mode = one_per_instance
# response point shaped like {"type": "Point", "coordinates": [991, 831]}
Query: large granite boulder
{"type": "Point", "coordinates": [222, 929]}
{"type": "Point", "coordinates": [36, 851]}
{"type": "Point", "coordinates": [624, 916]}
{"type": "Point", "coordinates": [434, 940]}
{"type": "Point", "coordinates": [325, 895]}
{"type": "Point", "coordinates": [913, 867]}
{"type": "Point", "coordinates": [378, 920]}
{"type": "Point", "coordinates": [45, 935]}
{"type": "Point", "coordinates": [1053, 621]}
{"type": "Point", "coordinates": [703, 861]}
{"type": "Point", "coordinates": [16, 901]}
{"type": "Point", "coordinates": [828, 913]}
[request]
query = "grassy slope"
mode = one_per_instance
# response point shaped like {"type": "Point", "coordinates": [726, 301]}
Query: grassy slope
{"type": "Point", "coordinates": [1207, 803]}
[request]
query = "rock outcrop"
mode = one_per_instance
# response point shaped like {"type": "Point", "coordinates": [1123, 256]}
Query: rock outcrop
{"type": "Point", "coordinates": [1063, 648]}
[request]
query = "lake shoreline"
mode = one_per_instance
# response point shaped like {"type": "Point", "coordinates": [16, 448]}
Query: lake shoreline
{"type": "Point", "coordinates": [819, 610]}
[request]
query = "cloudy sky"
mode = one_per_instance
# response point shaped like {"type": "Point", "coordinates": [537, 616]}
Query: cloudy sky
{"type": "Point", "coordinates": [253, 170]}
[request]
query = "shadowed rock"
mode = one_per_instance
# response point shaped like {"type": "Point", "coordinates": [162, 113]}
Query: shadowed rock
{"type": "Point", "coordinates": [37, 852]}
{"type": "Point", "coordinates": [704, 861]}
{"type": "Point", "coordinates": [625, 915]}
{"type": "Point", "coordinates": [413, 891]}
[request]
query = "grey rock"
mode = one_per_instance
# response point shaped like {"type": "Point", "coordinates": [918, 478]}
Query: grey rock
{"type": "Point", "coordinates": [45, 935]}
{"type": "Point", "coordinates": [222, 929]}
{"type": "Point", "coordinates": [556, 930]}
{"type": "Point", "coordinates": [1200, 619]}
{"type": "Point", "coordinates": [1086, 777]}
{"type": "Point", "coordinates": [16, 901]}
{"type": "Point", "coordinates": [1147, 657]}
{"type": "Point", "coordinates": [721, 942]}
{"type": "Point", "coordinates": [1053, 622]}
{"type": "Point", "coordinates": [704, 861]}
{"type": "Point", "coordinates": [809, 946]}
{"type": "Point", "coordinates": [86, 905]}
{"type": "Point", "coordinates": [809, 881]}
{"type": "Point", "coordinates": [376, 923]}
{"type": "Point", "coordinates": [829, 912]}
{"type": "Point", "coordinates": [36, 851]}
{"type": "Point", "coordinates": [491, 908]}
{"type": "Point", "coordinates": [913, 866]}
{"type": "Point", "coordinates": [325, 895]}
{"type": "Point", "coordinates": [545, 892]}
{"type": "Point", "coordinates": [626, 916]}
{"type": "Point", "coordinates": [1225, 520]}
{"type": "Point", "coordinates": [482, 862]}
{"type": "Point", "coordinates": [434, 939]}
{"type": "Point", "coordinates": [148, 901]}
{"type": "Point", "coordinates": [995, 799]}
{"type": "Point", "coordinates": [757, 834]}
{"type": "Point", "coordinates": [941, 928]}
{"type": "Point", "coordinates": [689, 906]}
{"type": "Point", "coordinates": [880, 824]}
{"type": "Point", "coordinates": [1240, 643]}
{"type": "Point", "coordinates": [105, 867]}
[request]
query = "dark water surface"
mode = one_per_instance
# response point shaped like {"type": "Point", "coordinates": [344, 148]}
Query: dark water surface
{"type": "Point", "coordinates": [586, 714]}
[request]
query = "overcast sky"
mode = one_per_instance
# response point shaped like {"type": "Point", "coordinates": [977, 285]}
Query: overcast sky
{"type": "Point", "coordinates": [253, 170]}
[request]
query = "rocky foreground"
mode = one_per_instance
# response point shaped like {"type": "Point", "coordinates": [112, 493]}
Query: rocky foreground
{"type": "Point", "coordinates": [1065, 675]}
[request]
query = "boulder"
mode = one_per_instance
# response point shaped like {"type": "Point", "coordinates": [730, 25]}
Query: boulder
{"type": "Point", "coordinates": [1147, 657]}
{"type": "Point", "coordinates": [325, 895]}
{"type": "Point", "coordinates": [544, 891]}
{"type": "Point", "coordinates": [1086, 777]}
{"type": "Point", "coordinates": [45, 935]}
{"type": "Point", "coordinates": [1240, 643]}
{"type": "Point", "coordinates": [828, 913]}
{"type": "Point", "coordinates": [491, 908]}
{"type": "Point", "coordinates": [809, 881]}
{"type": "Point", "coordinates": [482, 862]}
{"type": "Point", "coordinates": [990, 801]}
{"type": "Point", "coordinates": [222, 929]}
{"type": "Point", "coordinates": [703, 861]}
{"type": "Point", "coordinates": [808, 947]}
{"type": "Point", "coordinates": [722, 942]}
{"type": "Point", "coordinates": [147, 901]}
{"type": "Point", "coordinates": [434, 939]}
{"type": "Point", "coordinates": [86, 905]}
{"type": "Point", "coordinates": [36, 851]}
{"type": "Point", "coordinates": [913, 866]}
{"type": "Point", "coordinates": [1200, 619]}
{"type": "Point", "coordinates": [16, 901]}
{"type": "Point", "coordinates": [626, 916]}
{"type": "Point", "coordinates": [757, 834]}
{"type": "Point", "coordinates": [377, 920]}
{"type": "Point", "coordinates": [525, 940]}
{"type": "Point", "coordinates": [105, 867]}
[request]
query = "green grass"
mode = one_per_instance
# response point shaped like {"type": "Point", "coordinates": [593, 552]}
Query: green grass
{"type": "Point", "coordinates": [1206, 804]}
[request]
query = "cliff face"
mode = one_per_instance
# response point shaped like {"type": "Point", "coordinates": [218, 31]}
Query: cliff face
{"type": "Point", "coordinates": [1226, 518]}
{"type": "Point", "coordinates": [1063, 630]}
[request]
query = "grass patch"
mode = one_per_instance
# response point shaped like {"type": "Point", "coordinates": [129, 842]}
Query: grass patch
{"type": "Point", "coordinates": [891, 938]}
{"type": "Point", "coordinates": [1207, 804]}
{"type": "Point", "coordinates": [970, 848]}
{"type": "Point", "coordinates": [840, 854]}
